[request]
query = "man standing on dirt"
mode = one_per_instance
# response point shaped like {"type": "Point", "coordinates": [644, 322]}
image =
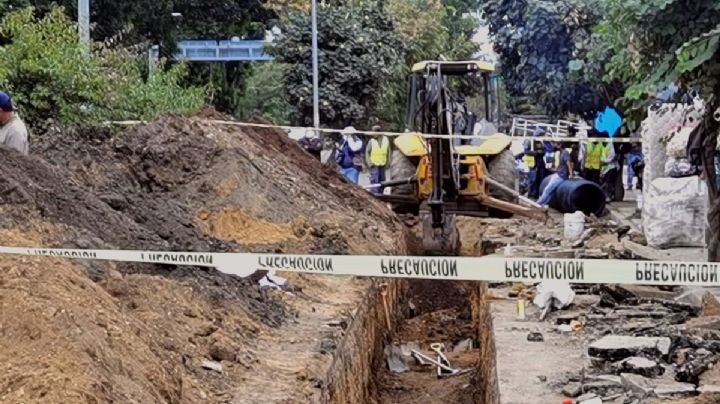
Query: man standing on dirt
{"type": "Point", "coordinates": [563, 172]}
{"type": "Point", "coordinates": [377, 156]}
{"type": "Point", "coordinates": [13, 133]}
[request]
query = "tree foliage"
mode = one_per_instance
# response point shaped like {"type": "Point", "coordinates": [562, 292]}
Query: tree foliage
{"type": "Point", "coordinates": [541, 45]}
{"type": "Point", "coordinates": [358, 47]}
{"type": "Point", "coordinates": [50, 75]}
{"type": "Point", "coordinates": [263, 95]}
{"type": "Point", "coordinates": [649, 44]}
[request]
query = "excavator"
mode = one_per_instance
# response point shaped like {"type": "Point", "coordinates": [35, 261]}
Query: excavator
{"type": "Point", "coordinates": [450, 172]}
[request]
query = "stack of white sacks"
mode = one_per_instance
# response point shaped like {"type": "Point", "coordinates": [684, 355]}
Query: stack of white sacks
{"type": "Point", "coordinates": [674, 212]}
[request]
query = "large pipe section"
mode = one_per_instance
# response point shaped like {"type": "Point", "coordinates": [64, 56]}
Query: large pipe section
{"type": "Point", "coordinates": [577, 195]}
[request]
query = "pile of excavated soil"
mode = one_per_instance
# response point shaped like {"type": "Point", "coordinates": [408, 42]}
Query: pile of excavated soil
{"type": "Point", "coordinates": [85, 331]}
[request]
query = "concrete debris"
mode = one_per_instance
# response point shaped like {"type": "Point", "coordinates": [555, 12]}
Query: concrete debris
{"type": "Point", "coordinates": [564, 328]}
{"type": "Point", "coordinates": [572, 389]}
{"type": "Point", "coordinates": [212, 365]}
{"type": "Point", "coordinates": [586, 398]}
{"type": "Point", "coordinates": [535, 337]}
{"type": "Point", "coordinates": [620, 347]}
{"type": "Point", "coordinates": [641, 366]}
{"type": "Point", "coordinates": [464, 345]}
{"type": "Point", "coordinates": [596, 400]}
{"type": "Point", "coordinates": [674, 390]}
{"type": "Point", "coordinates": [640, 385]}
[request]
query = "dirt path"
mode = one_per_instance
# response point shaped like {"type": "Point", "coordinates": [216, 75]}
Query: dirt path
{"type": "Point", "coordinates": [532, 369]}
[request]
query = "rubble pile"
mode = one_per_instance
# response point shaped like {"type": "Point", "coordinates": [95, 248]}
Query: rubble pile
{"type": "Point", "coordinates": [647, 344]}
{"type": "Point", "coordinates": [602, 238]}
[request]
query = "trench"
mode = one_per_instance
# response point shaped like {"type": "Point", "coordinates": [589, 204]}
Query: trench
{"type": "Point", "coordinates": [400, 311]}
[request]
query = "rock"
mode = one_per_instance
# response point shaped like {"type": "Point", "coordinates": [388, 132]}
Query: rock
{"type": "Point", "coordinates": [206, 330]}
{"type": "Point", "coordinates": [674, 389]}
{"type": "Point", "coordinates": [212, 365]}
{"type": "Point", "coordinates": [542, 378]}
{"type": "Point", "coordinates": [572, 389]}
{"type": "Point", "coordinates": [327, 345]}
{"type": "Point", "coordinates": [704, 323]}
{"type": "Point", "coordinates": [595, 400]}
{"type": "Point", "coordinates": [605, 378]}
{"type": "Point", "coordinates": [637, 384]}
{"type": "Point", "coordinates": [464, 345]}
{"type": "Point", "coordinates": [710, 305]}
{"type": "Point", "coordinates": [586, 397]}
{"type": "Point", "coordinates": [220, 351]}
{"type": "Point", "coordinates": [620, 347]}
{"type": "Point", "coordinates": [639, 365]}
{"type": "Point", "coordinates": [603, 387]}
{"type": "Point", "coordinates": [586, 300]}
{"type": "Point", "coordinates": [535, 337]}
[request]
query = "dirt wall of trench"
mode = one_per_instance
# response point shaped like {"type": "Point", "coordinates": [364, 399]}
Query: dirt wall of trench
{"type": "Point", "coordinates": [488, 390]}
{"type": "Point", "coordinates": [350, 377]}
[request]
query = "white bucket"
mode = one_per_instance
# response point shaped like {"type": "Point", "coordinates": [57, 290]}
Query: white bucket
{"type": "Point", "coordinates": [574, 225]}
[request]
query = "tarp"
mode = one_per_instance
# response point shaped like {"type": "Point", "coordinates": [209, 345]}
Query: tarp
{"type": "Point", "coordinates": [608, 121]}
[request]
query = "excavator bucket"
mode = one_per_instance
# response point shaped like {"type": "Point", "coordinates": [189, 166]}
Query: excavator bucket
{"type": "Point", "coordinates": [443, 241]}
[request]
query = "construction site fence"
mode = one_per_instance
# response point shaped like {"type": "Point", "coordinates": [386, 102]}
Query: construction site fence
{"type": "Point", "coordinates": [488, 268]}
{"type": "Point", "coordinates": [311, 130]}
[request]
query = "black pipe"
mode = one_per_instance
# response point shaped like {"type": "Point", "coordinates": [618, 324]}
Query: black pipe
{"type": "Point", "coordinates": [577, 194]}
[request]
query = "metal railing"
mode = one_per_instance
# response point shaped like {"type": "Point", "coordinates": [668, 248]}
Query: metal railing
{"type": "Point", "coordinates": [216, 51]}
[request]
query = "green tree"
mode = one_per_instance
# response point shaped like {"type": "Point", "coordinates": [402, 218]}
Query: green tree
{"type": "Point", "coordinates": [264, 95]}
{"type": "Point", "coordinates": [51, 76]}
{"type": "Point", "coordinates": [644, 45]}
{"type": "Point", "coordinates": [541, 45]}
{"type": "Point", "coordinates": [358, 47]}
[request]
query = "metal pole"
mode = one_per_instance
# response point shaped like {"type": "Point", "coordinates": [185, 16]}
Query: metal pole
{"type": "Point", "coordinates": [84, 22]}
{"type": "Point", "coordinates": [316, 95]}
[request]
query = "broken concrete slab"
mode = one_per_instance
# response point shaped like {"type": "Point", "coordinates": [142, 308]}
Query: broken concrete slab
{"type": "Point", "coordinates": [637, 384]}
{"type": "Point", "coordinates": [572, 389]}
{"type": "Point", "coordinates": [606, 378]}
{"type": "Point", "coordinates": [618, 347]}
{"type": "Point", "coordinates": [674, 389]}
{"type": "Point", "coordinates": [603, 387]}
{"type": "Point", "coordinates": [639, 365]}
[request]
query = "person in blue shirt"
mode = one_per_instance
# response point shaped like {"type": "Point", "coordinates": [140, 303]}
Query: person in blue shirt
{"type": "Point", "coordinates": [563, 172]}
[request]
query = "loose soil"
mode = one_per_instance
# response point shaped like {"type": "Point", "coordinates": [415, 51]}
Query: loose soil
{"type": "Point", "coordinates": [78, 331]}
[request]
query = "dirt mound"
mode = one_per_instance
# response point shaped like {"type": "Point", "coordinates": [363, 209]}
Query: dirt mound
{"type": "Point", "coordinates": [115, 332]}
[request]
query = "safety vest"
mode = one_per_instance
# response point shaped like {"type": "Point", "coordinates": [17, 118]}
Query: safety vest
{"type": "Point", "coordinates": [593, 155]}
{"type": "Point", "coordinates": [379, 151]}
{"type": "Point", "coordinates": [605, 156]}
{"type": "Point", "coordinates": [529, 159]}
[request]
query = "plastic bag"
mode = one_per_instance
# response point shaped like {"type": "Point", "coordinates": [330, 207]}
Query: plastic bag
{"type": "Point", "coordinates": [675, 212]}
{"type": "Point", "coordinates": [679, 168]}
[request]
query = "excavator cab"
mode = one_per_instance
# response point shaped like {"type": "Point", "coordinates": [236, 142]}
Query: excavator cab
{"type": "Point", "coordinates": [450, 172]}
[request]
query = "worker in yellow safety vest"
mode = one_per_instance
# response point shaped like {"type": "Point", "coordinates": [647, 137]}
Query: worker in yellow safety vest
{"type": "Point", "coordinates": [377, 155]}
{"type": "Point", "coordinates": [608, 170]}
{"type": "Point", "coordinates": [593, 155]}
